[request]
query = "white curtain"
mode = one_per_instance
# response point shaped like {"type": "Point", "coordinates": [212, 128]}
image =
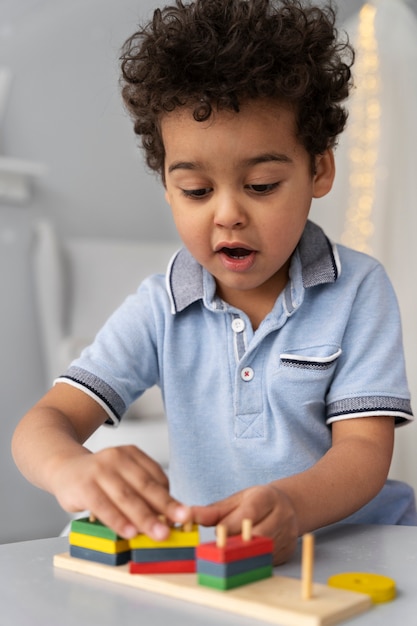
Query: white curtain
{"type": "Point", "coordinates": [373, 206]}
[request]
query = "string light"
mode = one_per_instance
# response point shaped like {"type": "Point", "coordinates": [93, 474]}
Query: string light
{"type": "Point", "coordinates": [364, 124]}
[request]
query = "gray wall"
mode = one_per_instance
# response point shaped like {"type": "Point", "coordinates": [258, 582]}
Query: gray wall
{"type": "Point", "coordinates": [64, 111]}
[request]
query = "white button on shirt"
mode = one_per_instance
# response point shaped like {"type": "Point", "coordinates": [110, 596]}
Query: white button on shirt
{"type": "Point", "coordinates": [238, 325]}
{"type": "Point", "coordinates": [247, 374]}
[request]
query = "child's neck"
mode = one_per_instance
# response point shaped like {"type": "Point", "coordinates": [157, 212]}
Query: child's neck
{"type": "Point", "coordinates": [256, 303]}
{"type": "Point", "coordinates": [257, 311]}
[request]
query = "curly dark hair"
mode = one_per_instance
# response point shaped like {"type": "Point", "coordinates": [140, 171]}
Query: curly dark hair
{"type": "Point", "coordinates": [219, 53]}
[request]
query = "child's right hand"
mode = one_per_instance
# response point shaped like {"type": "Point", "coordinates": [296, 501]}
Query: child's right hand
{"type": "Point", "coordinates": [123, 487]}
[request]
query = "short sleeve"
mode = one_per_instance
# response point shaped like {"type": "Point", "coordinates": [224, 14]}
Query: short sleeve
{"type": "Point", "coordinates": [122, 361]}
{"type": "Point", "coordinates": [370, 377]}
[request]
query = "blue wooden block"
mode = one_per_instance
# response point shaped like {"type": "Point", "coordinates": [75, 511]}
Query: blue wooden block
{"type": "Point", "coordinates": [154, 555]}
{"type": "Point", "coordinates": [224, 570]}
{"type": "Point", "coordinates": [116, 558]}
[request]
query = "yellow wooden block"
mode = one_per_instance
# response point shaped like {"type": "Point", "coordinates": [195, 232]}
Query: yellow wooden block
{"type": "Point", "coordinates": [98, 543]}
{"type": "Point", "coordinates": [178, 538]}
{"type": "Point", "coordinates": [379, 587]}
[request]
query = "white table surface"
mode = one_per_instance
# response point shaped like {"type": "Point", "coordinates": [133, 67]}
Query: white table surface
{"type": "Point", "coordinates": [34, 593]}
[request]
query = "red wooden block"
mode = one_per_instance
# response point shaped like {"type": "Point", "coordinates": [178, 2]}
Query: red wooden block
{"type": "Point", "coordinates": [163, 567]}
{"type": "Point", "coordinates": [235, 549]}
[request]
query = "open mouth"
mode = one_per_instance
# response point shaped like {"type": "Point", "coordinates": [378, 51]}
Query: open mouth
{"type": "Point", "coordinates": [236, 253]}
{"type": "Point", "coordinates": [237, 258]}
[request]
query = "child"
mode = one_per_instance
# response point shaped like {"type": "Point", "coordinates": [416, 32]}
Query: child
{"type": "Point", "coordinates": [278, 354]}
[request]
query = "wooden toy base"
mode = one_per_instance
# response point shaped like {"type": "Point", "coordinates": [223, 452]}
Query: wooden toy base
{"type": "Point", "coordinates": [275, 600]}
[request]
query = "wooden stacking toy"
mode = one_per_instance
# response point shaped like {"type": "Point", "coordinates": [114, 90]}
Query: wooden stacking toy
{"type": "Point", "coordinates": [233, 573]}
{"type": "Point", "coordinates": [92, 541]}
{"type": "Point", "coordinates": [231, 562]}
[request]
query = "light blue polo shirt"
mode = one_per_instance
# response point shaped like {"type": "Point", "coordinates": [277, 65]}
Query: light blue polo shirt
{"type": "Point", "coordinates": [243, 407]}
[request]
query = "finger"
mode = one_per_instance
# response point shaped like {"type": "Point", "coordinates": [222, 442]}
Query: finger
{"type": "Point", "coordinates": [149, 465]}
{"type": "Point", "coordinates": [280, 523]}
{"type": "Point", "coordinates": [102, 508]}
{"type": "Point", "coordinates": [254, 503]}
{"type": "Point", "coordinates": [138, 495]}
{"type": "Point", "coordinates": [283, 552]}
{"type": "Point", "coordinates": [260, 504]}
{"type": "Point", "coordinates": [118, 506]}
{"type": "Point", "coordinates": [217, 512]}
{"type": "Point", "coordinates": [171, 508]}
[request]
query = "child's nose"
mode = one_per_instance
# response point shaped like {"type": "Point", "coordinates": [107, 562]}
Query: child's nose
{"type": "Point", "coordinates": [229, 212]}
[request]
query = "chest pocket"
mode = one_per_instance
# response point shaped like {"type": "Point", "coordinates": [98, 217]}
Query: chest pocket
{"type": "Point", "coordinates": [313, 358]}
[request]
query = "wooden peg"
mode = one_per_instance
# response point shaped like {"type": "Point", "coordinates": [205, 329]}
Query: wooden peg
{"type": "Point", "coordinates": [246, 529]}
{"type": "Point", "coordinates": [188, 526]}
{"type": "Point", "coordinates": [307, 566]}
{"type": "Point", "coordinates": [92, 518]}
{"type": "Point", "coordinates": [221, 536]}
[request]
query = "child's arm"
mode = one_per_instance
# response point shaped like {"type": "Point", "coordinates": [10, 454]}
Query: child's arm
{"type": "Point", "coordinates": [349, 475]}
{"type": "Point", "coordinates": [122, 486]}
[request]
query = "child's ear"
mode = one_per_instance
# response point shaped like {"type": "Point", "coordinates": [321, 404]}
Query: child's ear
{"type": "Point", "coordinates": [325, 172]}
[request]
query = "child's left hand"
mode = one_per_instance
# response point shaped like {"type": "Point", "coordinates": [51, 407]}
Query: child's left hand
{"type": "Point", "coordinates": [270, 510]}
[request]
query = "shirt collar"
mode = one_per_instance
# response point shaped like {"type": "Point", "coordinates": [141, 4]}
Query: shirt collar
{"type": "Point", "coordinates": [319, 265]}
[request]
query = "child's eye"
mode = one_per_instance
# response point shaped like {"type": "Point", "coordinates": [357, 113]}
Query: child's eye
{"type": "Point", "coordinates": [263, 189]}
{"type": "Point", "coordinates": [196, 193]}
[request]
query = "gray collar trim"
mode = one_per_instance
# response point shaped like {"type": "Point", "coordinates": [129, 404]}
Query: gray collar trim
{"type": "Point", "coordinates": [319, 259]}
{"type": "Point", "coordinates": [319, 263]}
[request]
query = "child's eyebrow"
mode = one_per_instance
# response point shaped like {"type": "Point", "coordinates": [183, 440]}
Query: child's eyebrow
{"type": "Point", "coordinates": [268, 157]}
{"type": "Point", "coordinates": [255, 160]}
{"type": "Point", "coordinates": [183, 165]}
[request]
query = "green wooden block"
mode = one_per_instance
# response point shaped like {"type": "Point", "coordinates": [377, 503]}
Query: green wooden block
{"type": "Point", "coordinates": [223, 584]}
{"type": "Point", "coordinates": [94, 529]}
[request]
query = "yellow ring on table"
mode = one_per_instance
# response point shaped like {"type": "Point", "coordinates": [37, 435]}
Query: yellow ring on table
{"type": "Point", "coordinates": [379, 587]}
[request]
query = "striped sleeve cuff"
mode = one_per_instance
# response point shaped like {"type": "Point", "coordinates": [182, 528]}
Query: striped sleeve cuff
{"type": "Point", "coordinates": [367, 406]}
{"type": "Point", "coordinates": [97, 389]}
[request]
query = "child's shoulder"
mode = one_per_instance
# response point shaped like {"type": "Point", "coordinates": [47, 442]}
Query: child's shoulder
{"type": "Point", "coordinates": [356, 261]}
{"type": "Point", "coordinates": [361, 271]}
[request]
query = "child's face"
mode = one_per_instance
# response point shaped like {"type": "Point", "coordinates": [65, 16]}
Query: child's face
{"type": "Point", "coordinates": [240, 187]}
